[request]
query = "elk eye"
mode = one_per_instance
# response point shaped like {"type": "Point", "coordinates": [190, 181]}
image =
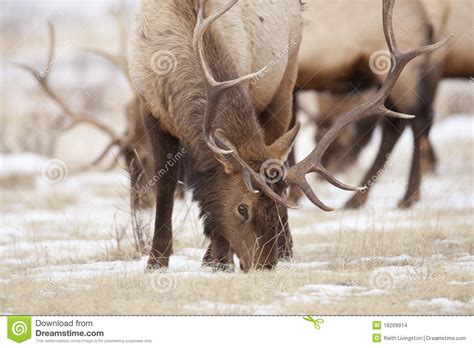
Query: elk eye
{"type": "Point", "coordinates": [243, 211]}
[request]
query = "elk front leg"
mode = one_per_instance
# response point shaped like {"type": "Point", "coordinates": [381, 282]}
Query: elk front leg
{"type": "Point", "coordinates": [167, 176]}
{"type": "Point", "coordinates": [391, 132]}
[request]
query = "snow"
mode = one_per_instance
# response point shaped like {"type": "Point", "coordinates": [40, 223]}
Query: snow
{"type": "Point", "coordinates": [443, 305]}
{"type": "Point", "coordinates": [69, 242]}
{"type": "Point", "coordinates": [329, 293]}
{"type": "Point", "coordinates": [21, 164]}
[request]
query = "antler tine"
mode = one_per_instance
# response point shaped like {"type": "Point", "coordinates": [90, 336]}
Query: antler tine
{"type": "Point", "coordinates": [249, 174]}
{"type": "Point", "coordinates": [202, 25]}
{"type": "Point", "coordinates": [312, 163]}
{"type": "Point", "coordinates": [52, 44]}
{"type": "Point", "coordinates": [119, 59]}
{"type": "Point", "coordinates": [42, 78]}
{"type": "Point", "coordinates": [213, 87]}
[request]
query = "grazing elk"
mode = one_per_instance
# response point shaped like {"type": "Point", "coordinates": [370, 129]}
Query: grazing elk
{"type": "Point", "coordinates": [455, 61]}
{"type": "Point", "coordinates": [348, 58]}
{"type": "Point", "coordinates": [231, 129]}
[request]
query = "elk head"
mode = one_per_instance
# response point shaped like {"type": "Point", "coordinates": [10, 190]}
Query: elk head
{"type": "Point", "coordinates": [246, 202]}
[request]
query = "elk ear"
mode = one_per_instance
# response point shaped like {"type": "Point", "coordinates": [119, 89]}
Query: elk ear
{"type": "Point", "coordinates": [281, 148]}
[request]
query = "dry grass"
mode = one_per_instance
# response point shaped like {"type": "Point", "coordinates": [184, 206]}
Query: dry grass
{"type": "Point", "coordinates": [70, 249]}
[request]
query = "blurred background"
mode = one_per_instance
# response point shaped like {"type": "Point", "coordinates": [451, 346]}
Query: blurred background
{"type": "Point", "coordinates": [88, 83]}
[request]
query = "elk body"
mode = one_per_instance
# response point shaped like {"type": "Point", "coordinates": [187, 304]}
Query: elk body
{"type": "Point", "coordinates": [352, 56]}
{"type": "Point", "coordinates": [254, 117]}
{"type": "Point", "coordinates": [456, 60]}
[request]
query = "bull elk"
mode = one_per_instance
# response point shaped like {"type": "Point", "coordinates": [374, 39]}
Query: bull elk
{"type": "Point", "coordinates": [455, 61]}
{"type": "Point", "coordinates": [232, 129]}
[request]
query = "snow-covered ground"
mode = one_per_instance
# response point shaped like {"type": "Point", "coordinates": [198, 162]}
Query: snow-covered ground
{"type": "Point", "coordinates": [65, 233]}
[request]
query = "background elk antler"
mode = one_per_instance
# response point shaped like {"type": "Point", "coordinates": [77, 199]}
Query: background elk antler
{"type": "Point", "coordinates": [69, 116]}
{"type": "Point", "coordinates": [376, 106]}
{"type": "Point", "coordinates": [133, 145]}
{"type": "Point", "coordinates": [119, 59]}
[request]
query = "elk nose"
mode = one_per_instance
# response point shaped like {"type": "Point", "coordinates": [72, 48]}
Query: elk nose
{"type": "Point", "coordinates": [243, 267]}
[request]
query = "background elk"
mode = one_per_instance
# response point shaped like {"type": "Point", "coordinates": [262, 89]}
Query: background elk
{"type": "Point", "coordinates": [232, 129]}
{"type": "Point", "coordinates": [457, 61]}
{"type": "Point", "coordinates": [345, 59]}
{"type": "Point", "coordinates": [133, 146]}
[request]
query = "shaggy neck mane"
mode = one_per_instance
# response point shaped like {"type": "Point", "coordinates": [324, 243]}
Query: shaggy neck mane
{"type": "Point", "coordinates": [234, 114]}
{"type": "Point", "coordinates": [185, 96]}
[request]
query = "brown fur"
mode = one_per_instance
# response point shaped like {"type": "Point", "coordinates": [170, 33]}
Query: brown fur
{"type": "Point", "coordinates": [172, 104]}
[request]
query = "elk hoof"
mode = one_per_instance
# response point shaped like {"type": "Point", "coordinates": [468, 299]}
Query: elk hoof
{"type": "Point", "coordinates": [153, 268]}
{"type": "Point", "coordinates": [428, 166]}
{"type": "Point", "coordinates": [155, 264]}
{"type": "Point", "coordinates": [285, 255]}
{"type": "Point", "coordinates": [223, 267]}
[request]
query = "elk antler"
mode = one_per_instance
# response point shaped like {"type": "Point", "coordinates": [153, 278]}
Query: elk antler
{"type": "Point", "coordinates": [312, 163]}
{"type": "Point", "coordinates": [42, 77]}
{"type": "Point", "coordinates": [119, 59]}
{"type": "Point", "coordinates": [214, 89]}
